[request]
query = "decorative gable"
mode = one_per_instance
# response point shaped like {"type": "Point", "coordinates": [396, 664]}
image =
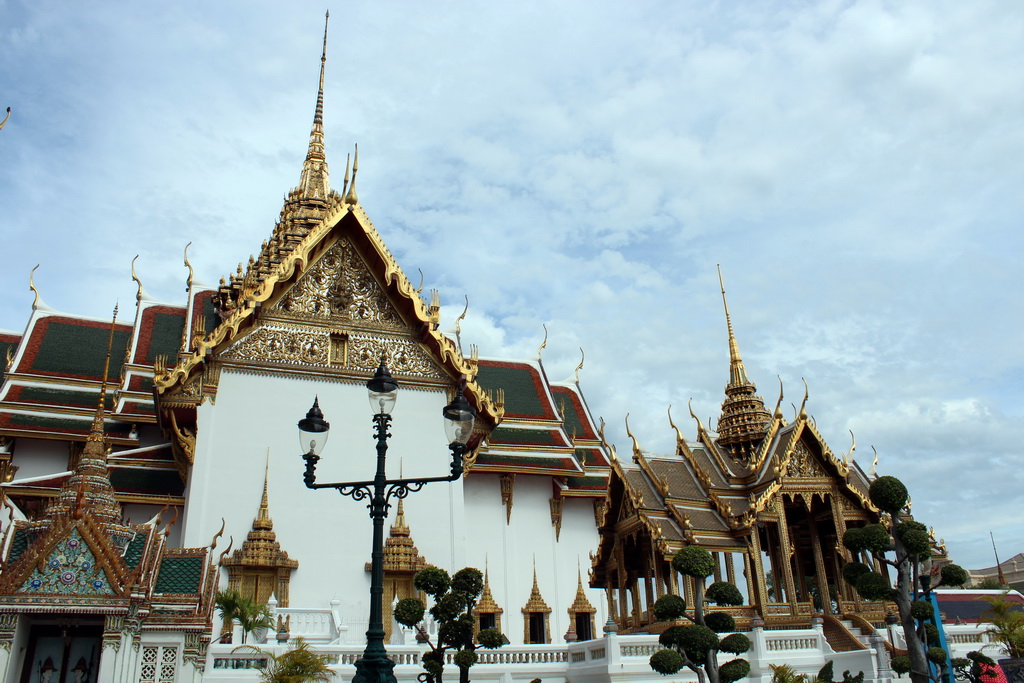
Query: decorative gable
{"type": "Point", "coordinates": [69, 569]}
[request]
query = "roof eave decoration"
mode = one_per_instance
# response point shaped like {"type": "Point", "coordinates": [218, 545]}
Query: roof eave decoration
{"type": "Point", "coordinates": [261, 287]}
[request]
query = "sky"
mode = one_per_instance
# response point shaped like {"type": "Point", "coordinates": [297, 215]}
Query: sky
{"type": "Point", "coordinates": [584, 166]}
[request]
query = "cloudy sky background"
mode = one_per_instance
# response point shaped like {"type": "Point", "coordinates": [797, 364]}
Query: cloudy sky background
{"type": "Point", "coordinates": [856, 168]}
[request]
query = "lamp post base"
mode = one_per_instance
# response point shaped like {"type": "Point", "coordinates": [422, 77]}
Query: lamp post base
{"type": "Point", "coordinates": [374, 669]}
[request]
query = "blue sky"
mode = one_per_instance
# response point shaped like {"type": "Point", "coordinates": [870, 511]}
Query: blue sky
{"type": "Point", "coordinates": [854, 166]}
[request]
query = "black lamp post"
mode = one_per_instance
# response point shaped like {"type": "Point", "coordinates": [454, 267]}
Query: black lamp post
{"type": "Point", "coordinates": [374, 666]}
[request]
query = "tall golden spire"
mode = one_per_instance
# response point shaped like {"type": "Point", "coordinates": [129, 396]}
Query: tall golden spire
{"type": "Point", "coordinates": [314, 181]}
{"type": "Point", "coordinates": [89, 487]}
{"type": "Point", "coordinates": [744, 419]}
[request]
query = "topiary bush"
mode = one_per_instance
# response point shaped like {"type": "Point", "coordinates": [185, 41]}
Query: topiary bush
{"type": "Point", "coordinates": [922, 610]}
{"type": "Point", "coordinates": [900, 664]}
{"type": "Point", "coordinates": [724, 593]}
{"type": "Point", "coordinates": [666, 662]}
{"type": "Point", "coordinates": [694, 561]}
{"type": "Point", "coordinates": [937, 655]}
{"type": "Point", "coordinates": [735, 644]}
{"type": "Point", "coordinates": [953, 575]}
{"type": "Point", "coordinates": [873, 586]}
{"type": "Point", "coordinates": [854, 570]}
{"type": "Point", "coordinates": [888, 494]}
{"type": "Point", "coordinates": [720, 622]}
{"type": "Point", "coordinates": [433, 581]}
{"type": "Point", "coordinates": [669, 607]}
{"type": "Point", "coordinates": [733, 670]}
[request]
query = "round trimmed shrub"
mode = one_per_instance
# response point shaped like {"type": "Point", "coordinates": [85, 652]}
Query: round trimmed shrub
{"type": "Point", "coordinates": [936, 655]}
{"type": "Point", "coordinates": [449, 607]}
{"type": "Point", "coordinates": [904, 527]}
{"type": "Point", "coordinates": [465, 659]}
{"type": "Point", "coordinates": [490, 638]}
{"type": "Point", "coordinates": [694, 561]}
{"type": "Point", "coordinates": [931, 633]}
{"type": "Point", "coordinates": [953, 575]}
{"type": "Point", "coordinates": [409, 611]}
{"type": "Point", "coordinates": [671, 637]}
{"type": "Point", "coordinates": [922, 610]}
{"type": "Point", "coordinates": [888, 494]}
{"type": "Point", "coordinates": [669, 607]}
{"type": "Point", "coordinates": [876, 537]}
{"type": "Point", "coordinates": [720, 622]}
{"type": "Point", "coordinates": [900, 664]}
{"type": "Point", "coordinates": [724, 593]}
{"type": "Point", "coordinates": [469, 581]}
{"type": "Point", "coordinates": [735, 644]}
{"type": "Point", "coordinates": [455, 633]}
{"type": "Point", "coordinates": [918, 543]}
{"type": "Point", "coordinates": [873, 586]}
{"type": "Point", "coordinates": [854, 570]}
{"type": "Point", "coordinates": [432, 580]}
{"type": "Point", "coordinates": [854, 539]}
{"type": "Point", "coordinates": [433, 664]}
{"type": "Point", "coordinates": [733, 670]}
{"type": "Point", "coordinates": [696, 641]}
{"type": "Point", "coordinates": [666, 662]}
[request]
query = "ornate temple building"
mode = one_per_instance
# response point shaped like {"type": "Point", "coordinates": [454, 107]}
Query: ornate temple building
{"type": "Point", "coordinates": [114, 500]}
{"type": "Point", "coordinates": [767, 497]}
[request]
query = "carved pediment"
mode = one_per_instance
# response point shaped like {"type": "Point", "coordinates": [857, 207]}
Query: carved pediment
{"type": "Point", "coordinates": [803, 463]}
{"type": "Point", "coordinates": [340, 287]}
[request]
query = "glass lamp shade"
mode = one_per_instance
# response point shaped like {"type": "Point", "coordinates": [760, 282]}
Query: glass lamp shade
{"type": "Point", "coordinates": [383, 390]}
{"type": "Point", "coordinates": [313, 430]}
{"type": "Point", "coordinates": [458, 420]}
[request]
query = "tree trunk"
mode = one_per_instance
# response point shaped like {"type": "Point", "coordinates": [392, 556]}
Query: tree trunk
{"type": "Point", "coordinates": [920, 671]}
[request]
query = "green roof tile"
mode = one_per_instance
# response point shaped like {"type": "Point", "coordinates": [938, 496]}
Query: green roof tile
{"type": "Point", "coordinates": [166, 335]}
{"type": "Point", "coordinates": [522, 395]}
{"type": "Point", "coordinates": [79, 350]}
{"type": "Point", "coordinates": [138, 480]}
{"type": "Point", "coordinates": [18, 420]}
{"type": "Point", "coordinates": [133, 553]}
{"type": "Point", "coordinates": [18, 545]}
{"type": "Point", "coordinates": [524, 436]}
{"type": "Point", "coordinates": [179, 575]}
{"type": "Point", "coordinates": [84, 399]}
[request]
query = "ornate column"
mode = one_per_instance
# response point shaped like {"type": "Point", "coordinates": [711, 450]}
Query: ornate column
{"type": "Point", "coordinates": [819, 563]}
{"type": "Point", "coordinates": [846, 591]}
{"type": "Point", "coordinates": [758, 565]}
{"type": "Point", "coordinates": [786, 565]}
{"type": "Point", "coordinates": [730, 569]}
{"type": "Point", "coordinates": [8, 627]}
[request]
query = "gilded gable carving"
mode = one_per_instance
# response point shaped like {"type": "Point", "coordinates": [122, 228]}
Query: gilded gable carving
{"type": "Point", "coordinates": [283, 345]}
{"type": "Point", "coordinates": [340, 287]}
{"type": "Point", "coordinates": [802, 463]}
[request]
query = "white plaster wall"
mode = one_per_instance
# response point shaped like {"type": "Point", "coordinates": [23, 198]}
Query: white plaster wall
{"type": "Point", "coordinates": [510, 549]}
{"type": "Point", "coordinates": [330, 535]}
{"type": "Point", "coordinates": [39, 457]}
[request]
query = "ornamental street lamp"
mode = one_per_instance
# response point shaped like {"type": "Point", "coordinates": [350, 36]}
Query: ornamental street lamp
{"type": "Point", "coordinates": [374, 666]}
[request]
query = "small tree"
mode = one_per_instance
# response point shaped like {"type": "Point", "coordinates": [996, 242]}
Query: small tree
{"type": "Point", "coordinates": [298, 665]}
{"type": "Point", "coordinates": [454, 599]}
{"type": "Point", "coordinates": [696, 646]}
{"type": "Point", "coordinates": [908, 543]}
{"type": "Point", "coordinates": [975, 667]}
{"type": "Point", "coordinates": [1006, 624]}
{"type": "Point", "coordinates": [249, 614]}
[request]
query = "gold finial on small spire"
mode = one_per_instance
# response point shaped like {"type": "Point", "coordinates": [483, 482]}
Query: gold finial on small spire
{"type": "Point", "coordinates": [544, 343]}
{"type": "Point", "coordinates": [778, 404]}
{"type": "Point", "coordinates": [874, 463]}
{"type": "Point", "coordinates": [351, 197]}
{"type": "Point", "coordinates": [737, 372]}
{"type": "Point", "coordinates": [458, 324]}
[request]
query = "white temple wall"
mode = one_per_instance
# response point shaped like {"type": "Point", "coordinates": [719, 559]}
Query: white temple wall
{"type": "Point", "coordinates": [510, 549]}
{"type": "Point", "coordinates": [330, 535]}
{"type": "Point", "coordinates": [40, 457]}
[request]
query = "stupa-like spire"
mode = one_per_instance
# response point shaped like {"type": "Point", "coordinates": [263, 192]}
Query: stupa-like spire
{"type": "Point", "coordinates": [314, 182]}
{"type": "Point", "coordinates": [744, 418]}
{"type": "Point", "coordinates": [89, 489]}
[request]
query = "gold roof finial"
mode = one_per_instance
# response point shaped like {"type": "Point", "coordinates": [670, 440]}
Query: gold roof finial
{"type": "Point", "coordinates": [874, 463]}
{"type": "Point", "coordinates": [32, 286]}
{"type": "Point", "coordinates": [139, 292]}
{"type": "Point", "coordinates": [458, 324]}
{"type": "Point", "coordinates": [314, 179]}
{"type": "Point", "coordinates": [636, 444]}
{"type": "Point", "coordinates": [778, 404]}
{"type": "Point", "coordinates": [350, 196]}
{"type": "Point", "coordinates": [576, 374]}
{"type": "Point", "coordinates": [543, 344]}
{"type": "Point", "coordinates": [191, 272]}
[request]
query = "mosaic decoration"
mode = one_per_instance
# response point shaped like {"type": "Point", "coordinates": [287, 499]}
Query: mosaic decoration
{"type": "Point", "coordinates": [70, 569]}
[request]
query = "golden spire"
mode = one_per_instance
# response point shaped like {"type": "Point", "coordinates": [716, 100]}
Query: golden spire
{"type": "Point", "coordinates": [263, 520]}
{"type": "Point", "coordinates": [350, 196]}
{"type": "Point", "coordinates": [744, 419]}
{"type": "Point", "coordinates": [737, 372]}
{"type": "Point", "coordinates": [314, 181]}
{"type": "Point", "coordinates": [89, 487]}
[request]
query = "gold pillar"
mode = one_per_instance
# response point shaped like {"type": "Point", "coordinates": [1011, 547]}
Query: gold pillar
{"type": "Point", "coordinates": [730, 570]}
{"type": "Point", "coordinates": [762, 591]}
{"type": "Point", "coordinates": [787, 563]}
{"type": "Point", "coordinates": [819, 563]}
{"type": "Point", "coordinates": [718, 566]}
